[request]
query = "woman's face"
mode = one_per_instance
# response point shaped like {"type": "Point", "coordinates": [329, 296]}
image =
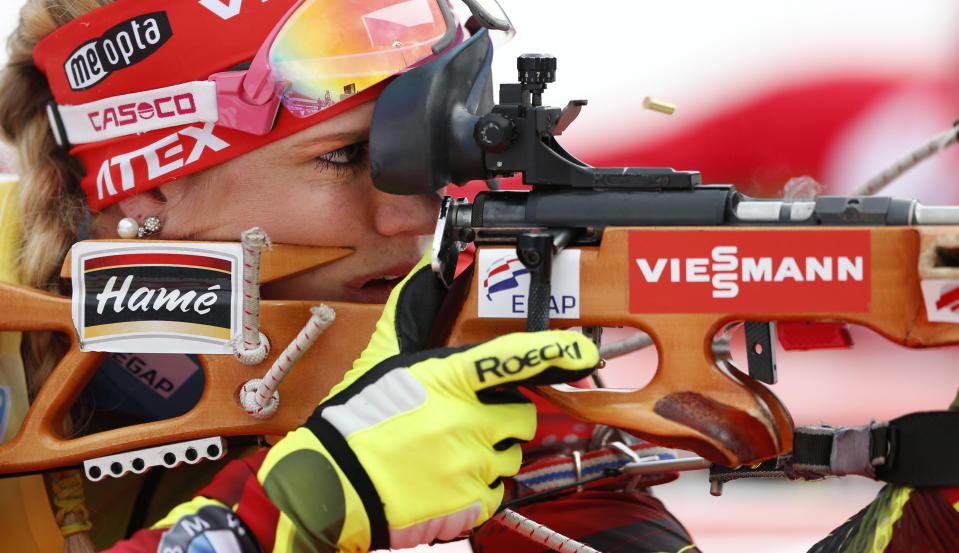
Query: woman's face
{"type": "Point", "coordinates": [311, 188]}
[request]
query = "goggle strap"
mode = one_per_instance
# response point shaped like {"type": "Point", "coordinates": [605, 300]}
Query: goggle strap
{"type": "Point", "coordinates": [451, 29]}
{"type": "Point", "coordinates": [134, 113]}
{"type": "Point", "coordinates": [56, 125]}
{"type": "Point", "coordinates": [487, 18]}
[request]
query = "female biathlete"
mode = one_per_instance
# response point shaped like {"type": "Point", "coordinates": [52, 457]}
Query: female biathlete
{"type": "Point", "coordinates": [201, 119]}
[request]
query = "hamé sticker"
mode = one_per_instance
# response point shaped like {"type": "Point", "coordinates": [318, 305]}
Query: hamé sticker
{"type": "Point", "coordinates": [157, 297]}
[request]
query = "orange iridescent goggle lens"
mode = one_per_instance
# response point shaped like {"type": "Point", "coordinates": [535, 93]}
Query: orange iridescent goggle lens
{"type": "Point", "coordinates": [331, 49]}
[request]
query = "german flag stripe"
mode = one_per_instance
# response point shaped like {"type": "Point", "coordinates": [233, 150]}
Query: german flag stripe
{"type": "Point", "coordinates": [178, 259]}
{"type": "Point", "coordinates": [177, 327]}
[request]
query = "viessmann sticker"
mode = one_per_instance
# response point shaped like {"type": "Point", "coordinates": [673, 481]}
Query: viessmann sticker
{"type": "Point", "coordinates": [162, 298]}
{"type": "Point", "coordinates": [777, 271]}
{"type": "Point", "coordinates": [504, 284]}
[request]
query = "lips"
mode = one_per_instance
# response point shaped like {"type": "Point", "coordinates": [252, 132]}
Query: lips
{"type": "Point", "coordinates": [388, 280]}
{"type": "Point", "coordinates": [376, 287]}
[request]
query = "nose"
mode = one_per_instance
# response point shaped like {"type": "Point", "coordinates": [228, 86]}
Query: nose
{"type": "Point", "coordinates": [414, 214]}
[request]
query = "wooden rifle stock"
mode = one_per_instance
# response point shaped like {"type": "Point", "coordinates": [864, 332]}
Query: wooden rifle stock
{"type": "Point", "coordinates": [692, 402]}
{"type": "Point", "coordinates": [40, 445]}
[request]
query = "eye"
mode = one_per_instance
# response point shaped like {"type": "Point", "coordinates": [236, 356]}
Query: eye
{"type": "Point", "coordinates": [348, 157]}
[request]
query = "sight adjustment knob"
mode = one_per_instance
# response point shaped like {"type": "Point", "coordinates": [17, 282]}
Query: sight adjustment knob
{"type": "Point", "coordinates": [536, 69]}
{"type": "Point", "coordinates": [494, 132]}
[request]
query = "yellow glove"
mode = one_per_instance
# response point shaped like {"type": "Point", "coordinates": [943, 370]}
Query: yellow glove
{"type": "Point", "coordinates": [419, 440]}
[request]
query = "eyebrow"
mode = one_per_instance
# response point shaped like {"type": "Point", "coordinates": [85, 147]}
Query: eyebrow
{"type": "Point", "coordinates": [331, 141]}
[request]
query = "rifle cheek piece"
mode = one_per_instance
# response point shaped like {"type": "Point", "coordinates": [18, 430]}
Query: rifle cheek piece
{"type": "Point", "coordinates": [742, 436]}
{"type": "Point", "coordinates": [421, 136]}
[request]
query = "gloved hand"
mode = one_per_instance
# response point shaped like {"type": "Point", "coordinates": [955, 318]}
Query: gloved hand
{"type": "Point", "coordinates": [417, 440]}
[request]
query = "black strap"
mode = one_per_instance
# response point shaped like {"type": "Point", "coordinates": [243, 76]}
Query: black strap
{"type": "Point", "coordinates": [148, 487]}
{"type": "Point", "coordinates": [918, 449]}
{"type": "Point", "coordinates": [923, 450]}
{"type": "Point", "coordinates": [812, 449]}
{"type": "Point", "coordinates": [334, 442]}
{"type": "Point", "coordinates": [416, 307]}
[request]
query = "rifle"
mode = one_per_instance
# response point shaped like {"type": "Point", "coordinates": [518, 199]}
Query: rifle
{"type": "Point", "coordinates": [632, 229]}
{"type": "Point", "coordinates": [657, 250]}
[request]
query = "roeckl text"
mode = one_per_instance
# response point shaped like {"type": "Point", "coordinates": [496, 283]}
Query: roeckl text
{"type": "Point", "coordinates": [501, 367]}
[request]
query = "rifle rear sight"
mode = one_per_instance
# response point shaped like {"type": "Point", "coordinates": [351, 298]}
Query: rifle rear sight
{"type": "Point", "coordinates": [456, 132]}
{"type": "Point", "coordinates": [518, 136]}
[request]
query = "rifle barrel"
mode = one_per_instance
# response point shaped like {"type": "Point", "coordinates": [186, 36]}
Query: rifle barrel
{"type": "Point", "coordinates": [495, 215]}
{"type": "Point", "coordinates": [936, 215]}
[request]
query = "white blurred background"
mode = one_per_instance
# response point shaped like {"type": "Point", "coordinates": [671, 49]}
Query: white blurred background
{"type": "Point", "coordinates": [705, 56]}
{"type": "Point", "coordinates": [724, 64]}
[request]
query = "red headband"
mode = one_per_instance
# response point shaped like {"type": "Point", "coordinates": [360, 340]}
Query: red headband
{"type": "Point", "coordinates": [134, 45]}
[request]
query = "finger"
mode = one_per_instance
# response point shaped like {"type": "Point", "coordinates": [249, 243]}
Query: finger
{"type": "Point", "coordinates": [490, 500]}
{"type": "Point", "coordinates": [508, 423]}
{"type": "Point", "coordinates": [545, 357]}
{"type": "Point", "coordinates": [504, 464]}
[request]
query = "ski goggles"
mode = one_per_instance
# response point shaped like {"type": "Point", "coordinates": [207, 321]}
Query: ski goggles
{"type": "Point", "coordinates": [320, 53]}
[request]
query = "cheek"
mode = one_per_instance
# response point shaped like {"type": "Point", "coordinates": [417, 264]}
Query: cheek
{"type": "Point", "coordinates": [330, 215]}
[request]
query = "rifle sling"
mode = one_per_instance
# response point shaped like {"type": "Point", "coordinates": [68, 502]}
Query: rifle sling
{"type": "Point", "coordinates": [925, 450]}
{"type": "Point", "coordinates": [918, 449]}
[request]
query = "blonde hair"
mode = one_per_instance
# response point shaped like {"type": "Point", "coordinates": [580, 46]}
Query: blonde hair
{"type": "Point", "coordinates": [51, 202]}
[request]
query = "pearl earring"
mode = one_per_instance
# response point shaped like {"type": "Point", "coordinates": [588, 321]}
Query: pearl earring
{"type": "Point", "coordinates": [129, 228]}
